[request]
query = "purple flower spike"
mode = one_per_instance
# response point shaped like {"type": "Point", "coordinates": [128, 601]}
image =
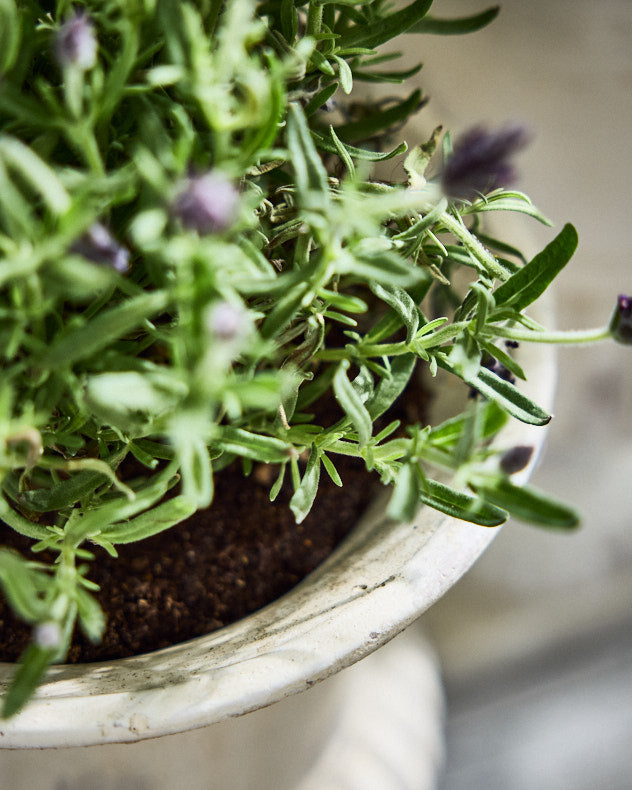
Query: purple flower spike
{"type": "Point", "coordinates": [98, 246]}
{"type": "Point", "coordinates": [207, 203]}
{"type": "Point", "coordinates": [621, 321]}
{"type": "Point", "coordinates": [75, 43]}
{"type": "Point", "coordinates": [481, 162]}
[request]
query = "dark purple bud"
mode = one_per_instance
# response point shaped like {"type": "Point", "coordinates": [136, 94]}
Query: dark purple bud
{"type": "Point", "coordinates": [621, 321]}
{"type": "Point", "coordinates": [75, 43]}
{"type": "Point", "coordinates": [480, 161]}
{"type": "Point", "coordinates": [516, 459]}
{"type": "Point", "coordinates": [500, 370]}
{"type": "Point", "coordinates": [207, 204]}
{"type": "Point", "coordinates": [98, 246]}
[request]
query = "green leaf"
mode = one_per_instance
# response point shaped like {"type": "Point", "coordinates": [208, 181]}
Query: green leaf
{"type": "Point", "coordinates": [527, 284]}
{"type": "Point", "coordinates": [382, 266]}
{"type": "Point", "coordinates": [509, 398]}
{"type": "Point", "coordinates": [20, 524]}
{"type": "Point", "coordinates": [320, 62]}
{"type": "Point", "coordinates": [311, 176]}
{"type": "Point", "coordinates": [289, 20]}
{"type": "Point", "coordinates": [374, 34]}
{"type": "Point", "coordinates": [195, 464]}
{"type": "Point", "coordinates": [121, 508]}
{"type": "Point", "coordinates": [506, 395]}
{"type": "Point", "coordinates": [391, 387]}
{"type": "Point", "coordinates": [344, 72]}
{"type": "Point", "coordinates": [404, 501]}
{"type": "Point", "coordinates": [278, 483]}
{"type": "Point", "coordinates": [33, 664]}
{"type": "Point", "coordinates": [252, 445]}
{"type": "Point", "coordinates": [394, 77]}
{"type": "Point", "coordinates": [505, 201]}
{"type": "Point", "coordinates": [10, 35]}
{"type": "Point", "coordinates": [403, 305]}
{"type": "Point", "coordinates": [380, 120]}
{"type": "Point", "coordinates": [342, 152]}
{"type": "Point", "coordinates": [304, 496]}
{"type": "Point", "coordinates": [454, 27]}
{"type": "Point", "coordinates": [21, 584]}
{"type": "Point", "coordinates": [131, 399]}
{"type": "Point", "coordinates": [357, 153]}
{"type": "Point", "coordinates": [461, 505]}
{"type": "Point", "coordinates": [448, 433]}
{"type": "Point", "coordinates": [504, 358]}
{"type": "Point", "coordinates": [91, 616]}
{"type": "Point", "coordinates": [320, 98]}
{"type": "Point", "coordinates": [63, 494]}
{"type": "Point", "coordinates": [331, 469]}
{"type": "Point", "coordinates": [97, 334]}
{"type": "Point", "coordinates": [352, 405]}
{"type": "Point", "coordinates": [525, 503]}
{"type": "Point", "coordinates": [156, 520]}
{"type": "Point", "coordinates": [34, 170]}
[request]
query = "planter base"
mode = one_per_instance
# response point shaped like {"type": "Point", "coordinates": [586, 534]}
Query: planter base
{"type": "Point", "coordinates": [376, 726]}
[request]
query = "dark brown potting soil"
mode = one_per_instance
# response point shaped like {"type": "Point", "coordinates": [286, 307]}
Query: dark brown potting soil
{"type": "Point", "coordinates": [214, 568]}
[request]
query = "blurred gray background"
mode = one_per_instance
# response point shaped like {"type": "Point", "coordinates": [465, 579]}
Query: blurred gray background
{"type": "Point", "coordinates": [536, 641]}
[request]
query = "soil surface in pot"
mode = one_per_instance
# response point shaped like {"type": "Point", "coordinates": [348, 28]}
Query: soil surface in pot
{"type": "Point", "coordinates": [219, 565]}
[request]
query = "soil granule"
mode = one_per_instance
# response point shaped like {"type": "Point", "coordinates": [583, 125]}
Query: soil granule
{"type": "Point", "coordinates": [214, 568]}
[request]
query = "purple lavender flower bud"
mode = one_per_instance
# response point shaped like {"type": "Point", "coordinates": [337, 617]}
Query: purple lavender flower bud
{"type": "Point", "coordinates": [516, 459]}
{"type": "Point", "coordinates": [500, 370]}
{"type": "Point", "coordinates": [47, 635]}
{"type": "Point", "coordinates": [227, 322]}
{"type": "Point", "coordinates": [207, 203]}
{"type": "Point", "coordinates": [75, 43]}
{"type": "Point", "coordinates": [621, 321]}
{"type": "Point", "coordinates": [481, 162]}
{"type": "Point", "coordinates": [98, 246]}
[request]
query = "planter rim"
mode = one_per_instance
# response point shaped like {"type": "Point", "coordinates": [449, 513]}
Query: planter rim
{"type": "Point", "coordinates": [378, 581]}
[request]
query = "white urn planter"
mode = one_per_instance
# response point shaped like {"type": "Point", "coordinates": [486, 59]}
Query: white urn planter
{"type": "Point", "coordinates": [381, 579]}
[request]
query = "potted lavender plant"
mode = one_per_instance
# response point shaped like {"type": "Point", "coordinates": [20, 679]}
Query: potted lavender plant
{"type": "Point", "coordinates": [195, 254]}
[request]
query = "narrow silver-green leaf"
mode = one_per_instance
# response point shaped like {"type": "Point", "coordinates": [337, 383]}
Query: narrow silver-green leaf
{"type": "Point", "coordinates": [458, 26]}
{"type": "Point", "coordinates": [20, 587]}
{"type": "Point", "coordinates": [526, 503]}
{"type": "Point", "coordinates": [33, 664]}
{"type": "Point", "coordinates": [156, 520]}
{"type": "Point", "coordinates": [358, 153]}
{"type": "Point", "coordinates": [304, 496]}
{"type": "Point", "coordinates": [404, 501]}
{"type": "Point", "coordinates": [98, 333]}
{"type": "Point", "coordinates": [253, 445]}
{"type": "Point", "coordinates": [352, 405]}
{"type": "Point", "coordinates": [530, 282]}
{"type": "Point", "coordinates": [402, 303]}
{"type": "Point", "coordinates": [382, 30]}
{"type": "Point", "coordinates": [391, 387]}
{"type": "Point", "coordinates": [310, 172]}
{"type": "Point", "coordinates": [461, 505]}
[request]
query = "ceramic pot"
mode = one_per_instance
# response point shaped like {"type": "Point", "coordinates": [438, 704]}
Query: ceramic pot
{"type": "Point", "coordinates": [381, 579]}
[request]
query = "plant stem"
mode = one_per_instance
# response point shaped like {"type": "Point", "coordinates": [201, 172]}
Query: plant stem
{"type": "Point", "coordinates": [314, 18]}
{"type": "Point", "coordinates": [568, 337]}
{"type": "Point", "coordinates": [473, 246]}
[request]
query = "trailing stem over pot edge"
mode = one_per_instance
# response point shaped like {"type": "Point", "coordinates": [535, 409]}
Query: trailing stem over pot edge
{"type": "Point", "coordinates": [183, 220]}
